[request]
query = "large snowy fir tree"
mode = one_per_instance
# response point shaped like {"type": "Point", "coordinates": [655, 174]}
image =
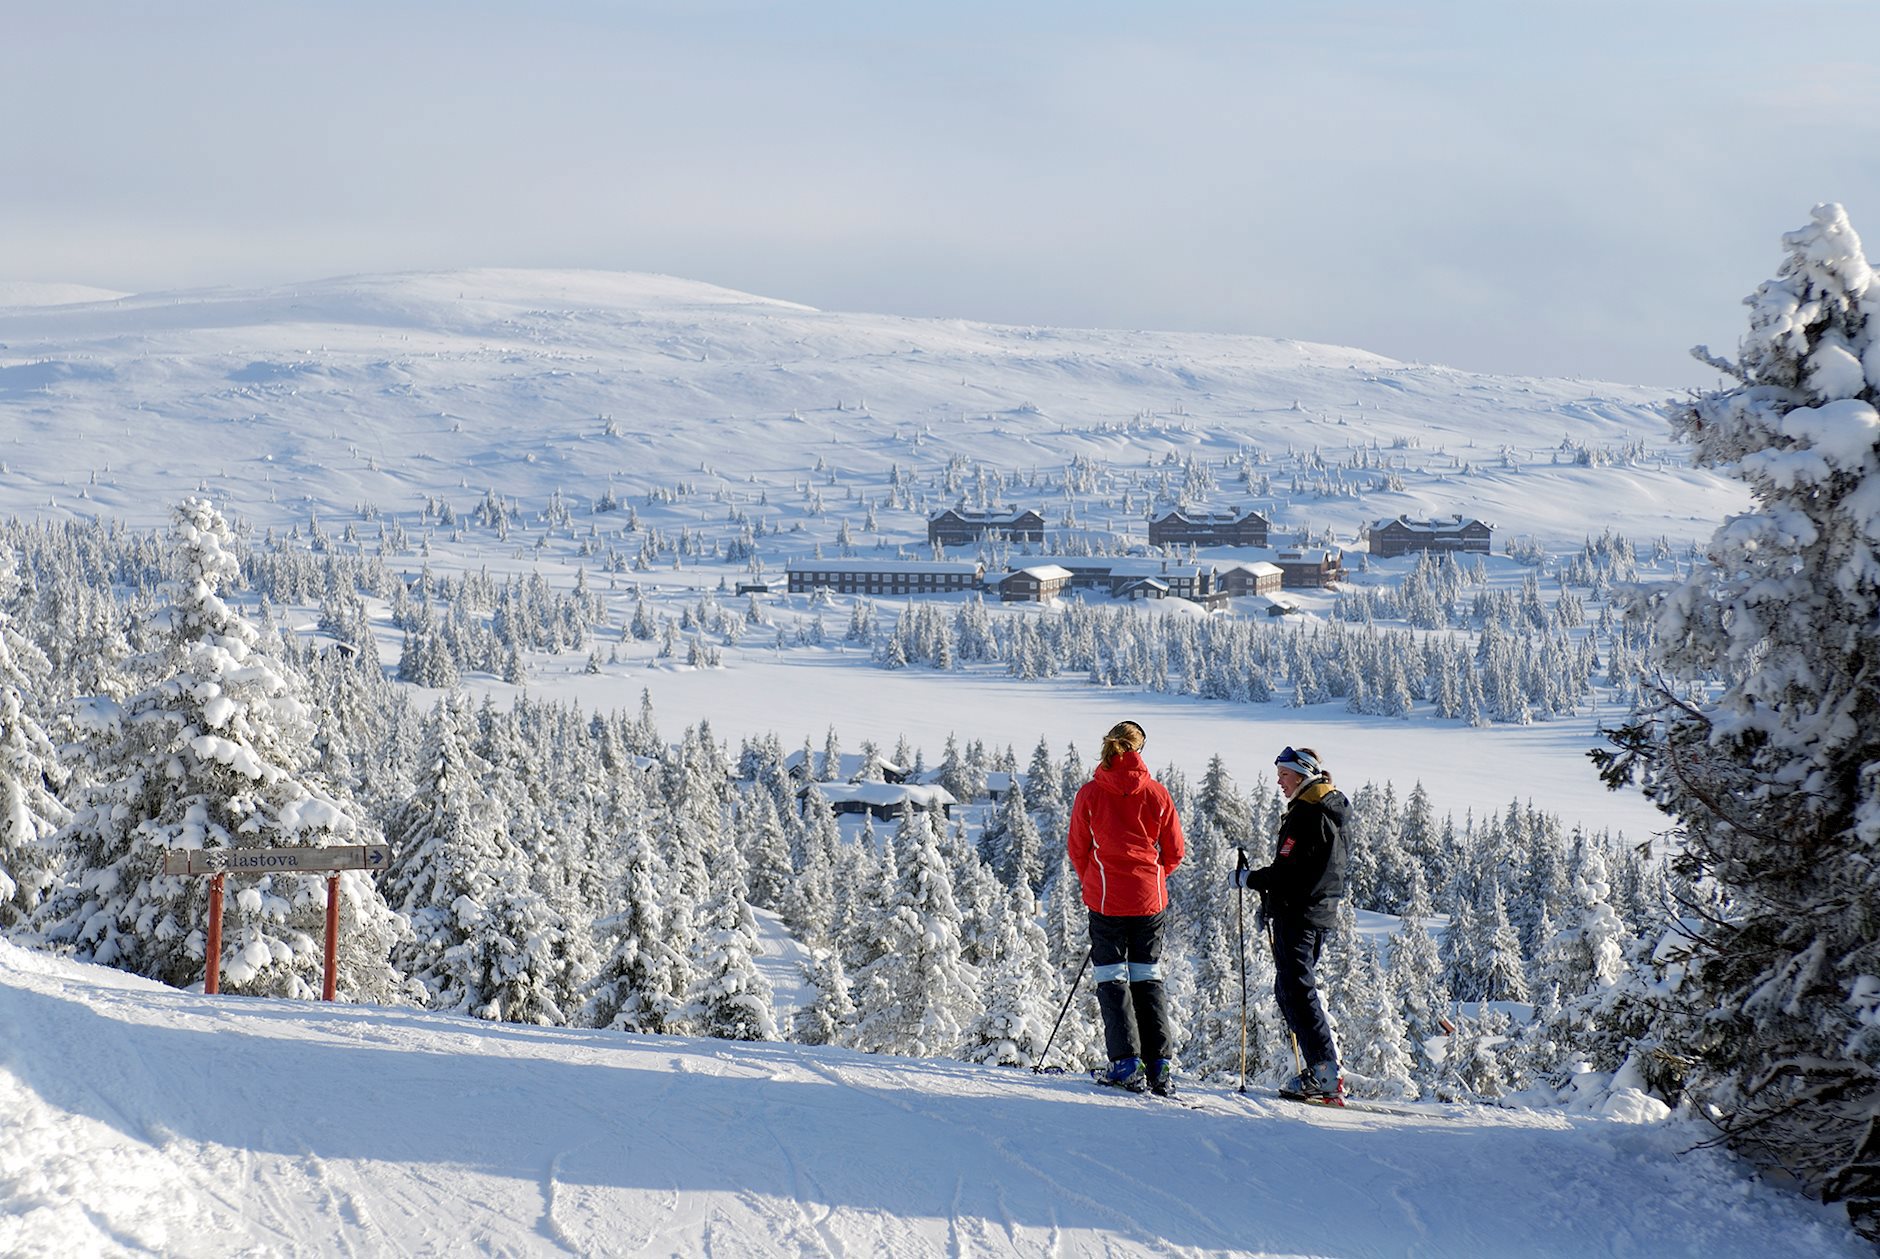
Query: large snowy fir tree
{"type": "Point", "coordinates": [214, 750]}
{"type": "Point", "coordinates": [1759, 735]}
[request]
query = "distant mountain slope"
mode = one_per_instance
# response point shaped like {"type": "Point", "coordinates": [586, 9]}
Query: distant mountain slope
{"type": "Point", "coordinates": [383, 390]}
{"type": "Point", "coordinates": [36, 293]}
{"type": "Point", "coordinates": [141, 1120]}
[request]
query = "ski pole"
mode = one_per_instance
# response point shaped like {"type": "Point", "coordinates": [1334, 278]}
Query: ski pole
{"type": "Point", "coordinates": [1240, 934]}
{"type": "Point", "coordinates": [1061, 1009]}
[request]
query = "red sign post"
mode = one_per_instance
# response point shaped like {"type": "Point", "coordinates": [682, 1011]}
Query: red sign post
{"type": "Point", "coordinates": [219, 863]}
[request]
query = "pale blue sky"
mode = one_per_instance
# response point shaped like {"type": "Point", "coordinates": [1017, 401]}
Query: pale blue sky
{"type": "Point", "coordinates": [1582, 188]}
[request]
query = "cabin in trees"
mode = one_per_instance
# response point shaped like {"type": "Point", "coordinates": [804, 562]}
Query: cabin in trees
{"type": "Point", "coordinates": [884, 577]}
{"type": "Point", "coordinates": [1186, 527]}
{"type": "Point", "coordinates": [1455, 535]}
{"type": "Point", "coordinates": [1039, 583]}
{"type": "Point", "coordinates": [886, 800]}
{"type": "Point", "coordinates": [961, 526]}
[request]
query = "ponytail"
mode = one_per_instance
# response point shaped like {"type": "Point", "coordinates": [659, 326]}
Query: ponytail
{"type": "Point", "coordinates": [1124, 736]}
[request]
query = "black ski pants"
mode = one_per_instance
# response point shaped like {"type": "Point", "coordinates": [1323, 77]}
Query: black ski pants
{"type": "Point", "coordinates": [1127, 955]}
{"type": "Point", "coordinates": [1296, 947]}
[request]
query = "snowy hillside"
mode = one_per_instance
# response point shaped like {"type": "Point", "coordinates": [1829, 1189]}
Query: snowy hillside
{"type": "Point", "coordinates": [141, 1120]}
{"type": "Point", "coordinates": [381, 391]}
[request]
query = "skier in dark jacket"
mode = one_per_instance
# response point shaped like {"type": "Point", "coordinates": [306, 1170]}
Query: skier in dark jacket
{"type": "Point", "coordinates": [1297, 895]}
{"type": "Point", "coordinates": [1125, 839]}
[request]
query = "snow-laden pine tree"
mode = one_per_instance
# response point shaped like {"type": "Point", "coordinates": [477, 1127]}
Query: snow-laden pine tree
{"type": "Point", "coordinates": [1760, 738]}
{"type": "Point", "coordinates": [830, 1014]}
{"type": "Point", "coordinates": [643, 981]}
{"type": "Point", "coordinates": [215, 751]}
{"type": "Point", "coordinates": [484, 941]}
{"type": "Point", "coordinates": [732, 999]}
{"type": "Point", "coordinates": [1011, 1029]}
{"type": "Point", "coordinates": [30, 814]}
{"type": "Point", "coordinates": [919, 995]}
{"type": "Point", "coordinates": [764, 848]}
{"type": "Point", "coordinates": [1373, 1044]}
{"type": "Point", "coordinates": [30, 772]}
{"type": "Point", "coordinates": [1414, 980]}
{"type": "Point", "coordinates": [1504, 971]}
{"type": "Point", "coordinates": [809, 899]}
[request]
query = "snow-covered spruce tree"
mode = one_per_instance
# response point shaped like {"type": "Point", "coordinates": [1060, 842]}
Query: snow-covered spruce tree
{"type": "Point", "coordinates": [732, 999]}
{"type": "Point", "coordinates": [30, 772]}
{"type": "Point", "coordinates": [829, 1015]}
{"type": "Point", "coordinates": [215, 751]}
{"type": "Point", "coordinates": [1760, 737]}
{"type": "Point", "coordinates": [919, 995]}
{"type": "Point", "coordinates": [1012, 1028]}
{"type": "Point", "coordinates": [484, 942]}
{"type": "Point", "coordinates": [643, 981]}
{"type": "Point", "coordinates": [30, 813]}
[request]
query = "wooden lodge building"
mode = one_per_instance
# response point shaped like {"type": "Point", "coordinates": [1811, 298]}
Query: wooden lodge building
{"type": "Point", "coordinates": [960, 526]}
{"type": "Point", "coordinates": [1185, 527]}
{"type": "Point", "coordinates": [885, 577]}
{"type": "Point", "coordinates": [1455, 535]}
{"type": "Point", "coordinates": [1037, 583]}
{"type": "Point", "coordinates": [1136, 577]}
{"type": "Point", "coordinates": [885, 800]}
{"type": "Point", "coordinates": [1310, 569]}
{"type": "Point", "coordinates": [1251, 577]}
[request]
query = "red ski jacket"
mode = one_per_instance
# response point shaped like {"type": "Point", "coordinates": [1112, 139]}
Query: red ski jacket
{"type": "Point", "coordinates": [1125, 839]}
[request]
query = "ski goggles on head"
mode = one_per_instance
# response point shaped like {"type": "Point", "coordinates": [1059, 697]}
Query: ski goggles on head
{"type": "Point", "coordinates": [1137, 726]}
{"type": "Point", "coordinates": [1298, 762]}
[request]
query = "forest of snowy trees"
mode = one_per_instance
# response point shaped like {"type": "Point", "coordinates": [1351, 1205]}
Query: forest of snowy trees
{"type": "Point", "coordinates": [1508, 656]}
{"type": "Point", "coordinates": [557, 867]}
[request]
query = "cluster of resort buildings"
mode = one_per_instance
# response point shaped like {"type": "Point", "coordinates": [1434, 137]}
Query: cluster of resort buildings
{"type": "Point", "coordinates": [1209, 582]}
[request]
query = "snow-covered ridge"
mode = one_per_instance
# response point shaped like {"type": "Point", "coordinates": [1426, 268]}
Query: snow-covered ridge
{"type": "Point", "coordinates": [40, 293]}
{"type": "Point", "coordinates": [381, 390]}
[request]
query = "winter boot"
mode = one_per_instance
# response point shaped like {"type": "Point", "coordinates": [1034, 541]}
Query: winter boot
{"type": "Point", "coordinates": [1323, 1084]}
{"type": "Point", "coordinates": [1162, 1078]}
{"type": "Point", "coordinates": [1125, 1073]}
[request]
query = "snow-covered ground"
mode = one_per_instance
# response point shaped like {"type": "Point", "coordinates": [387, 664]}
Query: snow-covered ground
{"type": "Point", "coordinates": [1463, 769]}
{"type": "Point", "coordinates": [138, 1120]}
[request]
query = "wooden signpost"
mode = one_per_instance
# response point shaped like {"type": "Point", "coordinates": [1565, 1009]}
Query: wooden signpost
{"type": "Point", "coordinates": [218, 863]}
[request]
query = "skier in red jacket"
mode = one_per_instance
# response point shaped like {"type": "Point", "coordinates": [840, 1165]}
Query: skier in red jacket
{"type": "Point", "coordinates": [1125, 840]}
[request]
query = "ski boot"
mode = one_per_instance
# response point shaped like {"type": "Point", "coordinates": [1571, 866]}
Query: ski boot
{"type": "Point", "coordinates": [1323, 1085]}
{"type": "Point", "coordinates": [1124, 1073]}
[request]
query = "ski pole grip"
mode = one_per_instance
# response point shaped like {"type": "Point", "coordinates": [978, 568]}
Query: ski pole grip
{"type": "Point", "coordinates": [1240, 855]}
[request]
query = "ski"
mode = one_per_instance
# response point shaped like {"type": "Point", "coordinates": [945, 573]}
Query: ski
{"type": "Point", "coordinates": [1148, 1095]}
